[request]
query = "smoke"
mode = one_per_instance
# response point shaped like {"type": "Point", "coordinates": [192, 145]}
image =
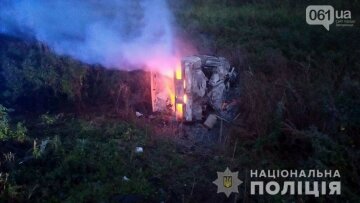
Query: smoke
{"type": "Point", "coordinates": [114, 33]}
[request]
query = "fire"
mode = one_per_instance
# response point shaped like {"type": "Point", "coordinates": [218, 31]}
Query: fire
{"type": "Point", "coordinates": [178, 72]}
{"type": "Point", "coordinates": [168, 70]}
{"type": "Point", "coordinates": [179, 111]}
{"type": "Point", "coordinates": [169, 87]}
{"type": "Point", "coordinates": [162, 84]}
{"type": "Point", "coordinates": [167, 65]}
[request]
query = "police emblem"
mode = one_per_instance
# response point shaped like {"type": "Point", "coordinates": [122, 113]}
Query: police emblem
{"type": "Point", "coordinates": [227, 182]}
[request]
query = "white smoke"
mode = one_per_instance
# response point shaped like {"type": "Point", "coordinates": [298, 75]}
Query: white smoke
{"type": "Point", "coordinates": [109, 32]}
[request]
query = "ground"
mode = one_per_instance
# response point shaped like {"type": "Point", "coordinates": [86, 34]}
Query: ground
{"type": "Point", "coordinates": [176, 166]}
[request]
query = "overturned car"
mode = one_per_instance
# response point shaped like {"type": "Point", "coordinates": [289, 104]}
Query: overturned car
{"type": "Point", "coordinates": [199, 85]}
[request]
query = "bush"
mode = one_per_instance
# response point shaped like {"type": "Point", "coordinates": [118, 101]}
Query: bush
{"type": "Point", "coordinates": [6, 133]}
{"type": "Point", "coordinates": [19, 133]}
{"type": "Point", "coordinates": [4, 124]}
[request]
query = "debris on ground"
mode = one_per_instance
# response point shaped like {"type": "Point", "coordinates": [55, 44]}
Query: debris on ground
{"type": "Point", "coordinates": [210, 121]}
{"type": "Point", "coordinates": [126, 179]}
{"type": "Point", "coordinates": [138, 114]}
{"type": "Point", "coordinates": [139, 150]}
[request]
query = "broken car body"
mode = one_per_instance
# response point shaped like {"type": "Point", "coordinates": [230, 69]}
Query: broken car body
{"type": "Point", "coordinates": [199, 85]}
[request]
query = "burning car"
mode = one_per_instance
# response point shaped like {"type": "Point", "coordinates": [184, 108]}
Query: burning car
{"type": "Point", "coordinates": [199, 84]}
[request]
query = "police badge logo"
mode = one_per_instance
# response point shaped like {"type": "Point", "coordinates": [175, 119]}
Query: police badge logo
{"type": "Point", "coordinates": [227, 182]}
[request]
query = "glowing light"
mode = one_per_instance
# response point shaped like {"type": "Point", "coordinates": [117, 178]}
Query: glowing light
{"type": "Point", "coordinates": [184, 84]}
{"type": "Point", "coordinates": [179, 111]}
{"type": "Point", "coordinates": [185, 99]}
{"type": "Point", "coordinates": [165, 67]}
{"type": "Point", "coordinates": [169, 87]}
{"type": "Point", "coordinates": [178, 72]}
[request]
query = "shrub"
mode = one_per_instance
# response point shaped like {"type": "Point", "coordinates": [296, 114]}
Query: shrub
{"type": "Point", "coordinates": [4, 123]}
{"type": "Point", "coordinates": [6, 133]}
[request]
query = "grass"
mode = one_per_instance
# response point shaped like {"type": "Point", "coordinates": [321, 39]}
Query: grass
{"type": "Point", "coordinates": [95, 160]}
{"type": "Point", "coordinates": [299, 109]}
{"type": "Point", "coordinates": [293, 81]}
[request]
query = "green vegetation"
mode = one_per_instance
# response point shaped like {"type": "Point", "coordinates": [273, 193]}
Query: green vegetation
{"type": "Point", "coordinates": [79, 160]}
{"type": "Point", "coordinates": [6, 132]}
{"type": "Point", "coordinates": [299, 84]}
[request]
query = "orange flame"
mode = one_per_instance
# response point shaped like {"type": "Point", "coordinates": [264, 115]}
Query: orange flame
{"type": "Point", "coordinates": [173, 72]}
{"type": "Point", "coordinates": [178, 72]}
{"type": "Point", "coordinates": [179, 111]}
{"type": "Point", "coordinates": [170, 90]}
